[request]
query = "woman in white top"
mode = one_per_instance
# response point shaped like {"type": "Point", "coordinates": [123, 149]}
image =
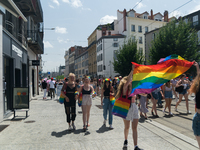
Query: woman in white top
{"type": "Point", "coordinates": [167, 90]}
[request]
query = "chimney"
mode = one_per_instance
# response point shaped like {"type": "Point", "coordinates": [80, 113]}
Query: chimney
{"type": "Point", "coordinates": [103, 31]}
{"type": "Point", "coordinates": [166, 16]}
{"type": "Point", "coordinates": [152, 18]}
{"type": "Point", "coordinates": [124, 18]}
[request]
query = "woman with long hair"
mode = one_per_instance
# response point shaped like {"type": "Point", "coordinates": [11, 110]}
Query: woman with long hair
{"type": "Point", "coordinates": [87, 91]}
{"type": "Point", "coordinates": [68, 90]}
{"type": "Point", "coordinates": [183, 82]}
{"type": "Point", "coordinates": [124, 89]}
{"type": "Point", "coordinates": [195, 89]}
{"type": "Point", "coordinates": [167, 90]}
{"type": "Point", "coordinates": [105, 101]}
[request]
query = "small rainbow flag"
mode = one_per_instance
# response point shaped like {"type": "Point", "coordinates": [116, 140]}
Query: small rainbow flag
{"type": "Point", "coordinates": [61, 99]}
{"type": "Point", "coordinates": [80, 99]}
{"type": "Point", "coordinates": [147, 78]}
{"type": "Point", "coordinates": [112, 100]}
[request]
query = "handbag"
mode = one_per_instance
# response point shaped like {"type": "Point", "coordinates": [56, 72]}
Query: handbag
{"type": "Point", "coordinates": [121, 106]}
{"type": "Point", "coordinates": [179, 89]}
{"type": "Point", "coordinates": [112, 100]}
{"type": "Point", "coordinates": [80, 98]}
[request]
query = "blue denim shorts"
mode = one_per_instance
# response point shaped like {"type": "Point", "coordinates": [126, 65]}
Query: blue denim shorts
{"type": "Point", "coordinates": [168, 94]}
{"type": "Point", "coordinates": [155, 95]}
{"type": "Point", "coordinates": [196, 124]}
{"type": "Point", "coordinates": [183, 92]}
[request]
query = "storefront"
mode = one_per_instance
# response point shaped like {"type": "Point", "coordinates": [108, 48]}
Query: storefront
{"type": "Point", "coordinates": [15, 69]}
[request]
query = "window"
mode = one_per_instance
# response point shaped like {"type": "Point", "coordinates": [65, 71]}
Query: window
{"type": "Point", "coordinates": [115, 39]}
{"type": "Point", "coordinates": [115, 44]}
{"type": "Point", "coordinates": [115, 54]}
{"type": "Point", "coordinates": [140, 40]}
{"type": "Point", "coordinates": [186, 20]}
{"type": "Point", "coordinates": [139, 28]}
{"type": "Point", "coordinates": [145, 17]}
{"type": "Point", "coordinates": [153, 36]}
{"type": "Point", "coordinates": [101, 56]}
{"type": "Point", "coordinates": [133, 38]}
{"type": "Point", "coordinates": [146, 29]}
{"type": "Point", "coordinates": [133, 28]}
{"type": "Point", "coordinates": [83, 71]}
{"type": "Point", "coordinates": [195, 20]}
{"type": "Point", "coordinates": [140, 50]}
{"type": "Point", "coordinates": [83, 64]}
{"type": "Point", "coordinates": [79, 72]}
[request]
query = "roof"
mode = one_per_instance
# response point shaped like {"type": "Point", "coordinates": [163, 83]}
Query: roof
{"type": "Point", "coordinates": [112, 36]}
{"type": "Point", "coordinates": [158, 13]}
{"type": "Point", "coordinates": [143, 13]}
{"type": "Point", "coordinates": [152, 31]}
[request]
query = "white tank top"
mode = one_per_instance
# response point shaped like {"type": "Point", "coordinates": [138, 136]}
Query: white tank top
{"type": "Point", "coordinates": [168, 89]}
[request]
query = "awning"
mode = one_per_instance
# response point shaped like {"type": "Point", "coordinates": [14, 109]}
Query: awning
{"type": "Point", "coordinates": [10, 6]}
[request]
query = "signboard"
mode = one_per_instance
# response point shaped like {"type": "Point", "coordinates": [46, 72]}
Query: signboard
{"type": "Point", "coordinates": [59, 88]}
{"type": "Point", "coordinates": [48, 73]}
{"type": "Point", "coordinates": [20, 98]}
{"type": "Point", "coordinates": [17, 50]}
{"type": "Point", "coordinates": [35, 62]}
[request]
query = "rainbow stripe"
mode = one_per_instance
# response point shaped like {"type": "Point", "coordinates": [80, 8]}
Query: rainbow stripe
{"type": "Point", "coordinates": [112, 100]}
{"type": "Point", "coordinates": [61, 99]}
{"type": "Point", "coordinates": [121, 107]}
{"type": "Point", "coordinates": [80, 99]}
{"type": "Point", "coordinates": [146, 78]}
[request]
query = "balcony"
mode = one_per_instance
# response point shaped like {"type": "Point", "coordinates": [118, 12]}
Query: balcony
{"type": "Point", "coordinates": [31, 8]}
{"type": "Point", "coordinates": [35, 41]}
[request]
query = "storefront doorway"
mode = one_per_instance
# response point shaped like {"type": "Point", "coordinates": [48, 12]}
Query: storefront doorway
{"type": "Point", "coordinates": [33, 83]}
{"type": "Point", "coordinates": [8, 83]}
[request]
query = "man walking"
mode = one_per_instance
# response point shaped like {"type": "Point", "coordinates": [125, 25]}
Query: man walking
{"type": "Point", "coordinates": [52, 88]}
{"type": "Point", "coordinates": [44, 87]}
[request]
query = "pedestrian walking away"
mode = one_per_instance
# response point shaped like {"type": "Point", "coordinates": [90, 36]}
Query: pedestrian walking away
{"type": "Point", "coordinates": [86, 91]}
{"type": "Point", "coordinates": [69, 89]}
{"type": "Point", "coordinates": [105, 101]}
{"type": "Point", "coordinates": [196, 119]}
{"type": "Point", "coordinates": [124, 89]}
{"type": "Point", "coordinates": [44, 87]}
{"type": "Point", "coordinates": [143, 105]}
{"type": "Point", "coordinates": [52, 88]}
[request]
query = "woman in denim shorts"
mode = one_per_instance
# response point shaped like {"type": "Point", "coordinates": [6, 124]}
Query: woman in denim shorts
{"type": "Point", "coordinates": [196, 119]}
{"type": "Point", "coordinates": [167, 89]}
{"type": "Point", "coordinates": [183, 82]}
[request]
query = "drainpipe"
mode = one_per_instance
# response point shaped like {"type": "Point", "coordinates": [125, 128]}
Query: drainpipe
{"type": "Point", "coordinates": [37, 77]}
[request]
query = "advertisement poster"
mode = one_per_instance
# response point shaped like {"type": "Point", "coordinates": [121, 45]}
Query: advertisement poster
{"type": "Point", "coordinates": [20, 98]}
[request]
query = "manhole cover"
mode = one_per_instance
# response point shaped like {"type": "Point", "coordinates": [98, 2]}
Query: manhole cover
{"type": "Point", "coordinates": [31, 121]}
{"type": "Point", "coordinates": [2, 127]}
{"type": "Point", "coordinates": [99, 106]}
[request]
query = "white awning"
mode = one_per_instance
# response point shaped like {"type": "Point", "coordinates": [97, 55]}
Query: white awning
{"type": "Point", "coordinates": [10, 6]}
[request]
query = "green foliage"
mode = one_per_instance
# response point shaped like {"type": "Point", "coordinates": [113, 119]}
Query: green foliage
{"type": "Point", "coordinates": [60, 77]}
{"type": "Point", "coordinates": [127, 53]}
{"type": "Point", "coordinates": [174, 38]}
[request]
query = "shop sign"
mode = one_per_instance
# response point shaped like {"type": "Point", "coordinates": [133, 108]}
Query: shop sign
{"type": "Point", "coordinates": [35, 62]}
{"type": "Point", "coordinates": [17, 50]}
{"type": "Point", "coordinates": [20, 98]}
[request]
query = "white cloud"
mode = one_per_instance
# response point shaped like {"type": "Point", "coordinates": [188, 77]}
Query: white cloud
{"type": "Point", "coordinates": [61, 30]}
{"type": "Point", "coordinates": [107, 19]}
{"type": "Point", "coordinates": [140, 5]}
{"type": "Point", "coordinates": [47, 44]}
{"type": "Point", "coordinates": [86, 9]}
{"type": "Point", "coordinates": [56, 2]}
{"type": "Point", "coordinates": [60, 40]}
{"type": "Point", "coordinates": [176, 14]}
{"type": "Point", "coordinates": [51, 6]}
{"type": "Point", "coordinates": [76, 3]}
{"type": "Point", "coordinates": [66, 1]}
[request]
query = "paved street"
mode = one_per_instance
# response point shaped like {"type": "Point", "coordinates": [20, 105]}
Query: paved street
{"type": "Point", "coordinates": [48, 130]}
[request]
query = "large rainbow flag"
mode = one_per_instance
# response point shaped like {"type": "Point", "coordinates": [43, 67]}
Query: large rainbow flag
{"type": "Point", "coordinates": [146, 78]}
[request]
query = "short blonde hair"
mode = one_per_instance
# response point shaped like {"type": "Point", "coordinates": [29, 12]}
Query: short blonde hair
{"type": "Point", "coordinates": [71, 74]}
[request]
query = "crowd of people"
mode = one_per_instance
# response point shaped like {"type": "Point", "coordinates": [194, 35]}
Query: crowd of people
{"type": "Point", "coordinates": [86, 88]}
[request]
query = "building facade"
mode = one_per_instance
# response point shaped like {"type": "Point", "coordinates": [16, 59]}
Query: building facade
{"type": "Point", "coordinates": [22, 41]}
{"type": "Point", "coordinates": [72, 60]}
{"type": "Point", "coordinates": [66, 63]}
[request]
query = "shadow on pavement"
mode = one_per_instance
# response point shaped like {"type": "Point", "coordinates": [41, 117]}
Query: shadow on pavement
{"type": "Point", "coordinates": [60, 134]}
{"type": "Point", "coordinates": [142, 120]}
{"type": "Point", "coordinates": [78, 131]}
{"type": "Point", "coordinates": [103, 129]}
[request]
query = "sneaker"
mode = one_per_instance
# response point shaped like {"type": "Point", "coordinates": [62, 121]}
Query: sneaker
{"type": "Point", "coordinates": [137, 148]}
{"type": "Point", "coordinates": [152, 113]}
{"type": "Point", "coordinates": [104, 122]}
{"type": "Point", "coordinates": [74, 127]}
{"type": "Point", "coordinates": [125, 143]}
{"type": "Point", "coordinates": [188, 112]}
{"type": "Point", "coordinates": [70, 127]}
{"type": "Point", "coordinates": [156, 116]}
{"type": "Point", "coordinates": [163, 111]}
{"type": "Point", "coordinates": [176, 109]}
{"type": "Point", "coordinates": [111, 127]}
{"type": "Point", "coordinates": [170, 113]}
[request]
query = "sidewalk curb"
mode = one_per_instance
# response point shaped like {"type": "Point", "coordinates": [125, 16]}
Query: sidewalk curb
{"type": "Point", "coordinates": [174, 133]}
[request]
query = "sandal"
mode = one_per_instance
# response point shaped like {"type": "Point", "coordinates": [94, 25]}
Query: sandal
{"type": "Point", "coordinates": [84, 128]}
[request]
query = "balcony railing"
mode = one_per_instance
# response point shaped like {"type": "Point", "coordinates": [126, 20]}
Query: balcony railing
{"type": "Point", "coordinates": [35, 41]}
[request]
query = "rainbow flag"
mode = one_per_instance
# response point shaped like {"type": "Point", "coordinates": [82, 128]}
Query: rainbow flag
{"type": "Point", "coordinates": [146, 78]}
{"type": "Point", "coordinates": [112, 100]}
{"type": "Point", "coordinates": [80, 98]}
{"type": "Point", "coordinates": [61, 99]}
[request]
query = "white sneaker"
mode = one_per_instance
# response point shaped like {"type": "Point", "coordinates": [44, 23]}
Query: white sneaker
{"type": "Point", "coordinates": [163, 111]}
{"type": "Point", "coordinates": [74, 127]}
{"type": "Point", "coordinates": [176, 109]}
{"type": "Point", "coordinates": [170, 113]}
{"type": "Point", "coordinates": [188, 112]}
{"type": "Point", "coordinates": [104, 122]}
{"type": "Point", "coordinates": [111, 127]}
{"type": "Point", "coordinates": [70, 127]}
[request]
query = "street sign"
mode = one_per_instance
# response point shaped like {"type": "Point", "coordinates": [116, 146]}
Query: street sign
{"type": "Point", "coordinates": [48, 73]}
{"type": "Point", "coordinates": [35, 62]}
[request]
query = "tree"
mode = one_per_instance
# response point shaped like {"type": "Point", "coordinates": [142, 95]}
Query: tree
{"type": "Point", "coordinates": [127, 53]}
{"type": "Point", "coordinates": [175, 38]}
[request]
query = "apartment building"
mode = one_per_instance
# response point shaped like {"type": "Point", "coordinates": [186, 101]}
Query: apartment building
{"type": "Point", "coordinates": [21, 31]}
{"type": "Point", "coordinates": [66, 73]}
{"type": "Point", "coordinates": [72, 60]}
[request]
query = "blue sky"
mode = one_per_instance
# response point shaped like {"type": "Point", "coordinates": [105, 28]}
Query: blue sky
{"type": "Point", "coordinates": [75, 20]}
